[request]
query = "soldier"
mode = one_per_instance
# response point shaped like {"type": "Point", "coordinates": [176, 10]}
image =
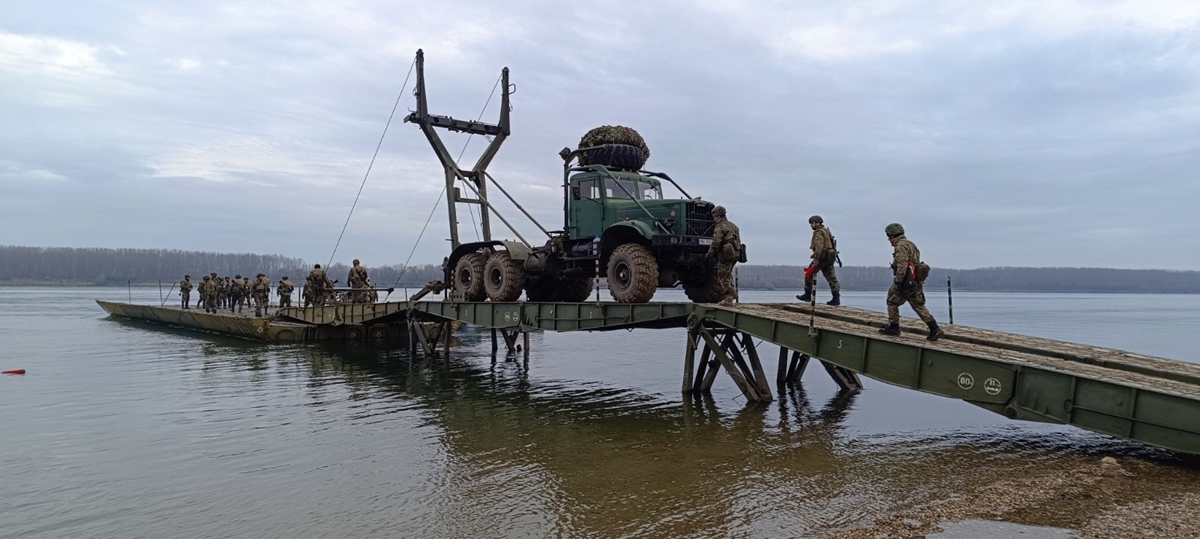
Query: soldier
{"type": "Point", "coordinates": [226, 285]}
{"type": "Point", "coordinates": [237, 294]}
{"type": "Point", "coordinates": [285, 292]}
{"type": "Point", "coordinates": [358, 279]}
{"type": "Point", "coordinates": [908, 285]}
{"type": "Point", "coordinates": [824, 254]}
{"type": "Point", "coordinates": [318, 285]}
{"type": "Point", "coordinates": [210, 288]}
{"type": "Point", "coordinates": [724, 252]}
{"type": "Point", "coordinates": [262, 292]}
{"type": "Point", "coordinates": [185, 291]}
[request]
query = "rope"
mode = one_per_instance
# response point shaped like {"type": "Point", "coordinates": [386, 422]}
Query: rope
{"type": "Point", "coordinates": [372, 163]}
{"type": "Point", "coordinates": [404, 268]}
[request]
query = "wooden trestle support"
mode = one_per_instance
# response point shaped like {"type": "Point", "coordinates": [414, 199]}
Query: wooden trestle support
{"type": "Point", "coordinates": [737, 353]}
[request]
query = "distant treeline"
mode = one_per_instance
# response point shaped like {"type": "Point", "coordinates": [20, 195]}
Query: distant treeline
{"type": "Point", "coordinates": [32, 265]}
{"type": "Point", "coordinates": [1006, 279]}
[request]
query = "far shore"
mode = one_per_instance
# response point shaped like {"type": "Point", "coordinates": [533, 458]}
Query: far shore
{"type": "Point", "coordinates": [33, 283]}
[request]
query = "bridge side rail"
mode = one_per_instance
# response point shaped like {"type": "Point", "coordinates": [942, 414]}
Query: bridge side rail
{"type": "Point", "coordinates": [1010, 387]}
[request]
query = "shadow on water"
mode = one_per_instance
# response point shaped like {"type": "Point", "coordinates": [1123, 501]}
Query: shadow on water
{"type": "Point", "coordinates": [611, 459]}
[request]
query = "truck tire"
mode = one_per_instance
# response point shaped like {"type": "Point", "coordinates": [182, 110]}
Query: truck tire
{"type": "Point", "coordinates": [621, 156]}
{"type": "Point", "coordinates": [504, 278]}
{"type": "Point", "coordinates": [469, 278]}
{"type": "Point", "coordinates": [632, 274]}
{"type": "Point", "coordinates": [705, 291]}
{"type": "Point", "coordinates": [575, 289]}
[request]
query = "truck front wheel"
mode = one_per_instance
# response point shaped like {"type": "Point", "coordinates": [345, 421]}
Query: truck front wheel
{"type": "Point", "coordinates": [632, 274]}
{"type": "Point", "coordinates": [468, 277]}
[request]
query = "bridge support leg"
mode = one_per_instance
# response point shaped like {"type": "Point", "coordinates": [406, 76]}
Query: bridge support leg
{"type": "Point", "coordinates": [796, 369]}
{"type": "Point", "coordinates": [418, 336]}
{"type": "Point", "coordinates": [730, 357]}
{"type": "Point", "coordinates": [846, 379]}
{"type": "Point", "coordinates": [689, 363]}
{"type": "Point", "coordinates": [495, 345]}
{"type": "Point", "coordinates": [707, 362]}
{"type": "Point", "coordinates": [447, 329]}
{"type": "Point", "coordinates": [525, 341]}
{"type": "Point", "coordinates": [760, 376]}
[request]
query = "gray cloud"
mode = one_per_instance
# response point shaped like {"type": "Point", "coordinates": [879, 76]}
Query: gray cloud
{"type": "Point", "coordinates": [1030, 133]}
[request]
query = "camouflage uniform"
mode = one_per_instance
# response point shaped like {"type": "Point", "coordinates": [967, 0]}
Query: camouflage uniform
{"type": "Point", "coordinates": [185, 291]}
{"type": "Point", "coordinates": [318, 285]}
{"type": "Point", "coordinates": [358, 279]}
{"type": "Point", "coordinates": [262, 292]}
{"type": "Point", "coordinates": [237, 294]}
{"type": "Point", "coordinates": [225, 291]}
{"type": "Point", "coordinates": [906, 287]}
{"type": "Point", "coordinates": [824, 254]}
{"type": "Point", "coordinates": [726, 239]}
{"type": "Point", "coordinates": [285, 292]}
{"type": "Point", "coordinates": [210, 289]}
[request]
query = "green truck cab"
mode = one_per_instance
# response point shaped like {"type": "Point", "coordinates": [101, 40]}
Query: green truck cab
{"type": "Point", "coordinates": [617, 224]}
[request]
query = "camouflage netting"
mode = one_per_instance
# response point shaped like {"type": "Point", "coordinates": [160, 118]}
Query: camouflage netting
{"type": "Point", "coordinates": [614, 134]}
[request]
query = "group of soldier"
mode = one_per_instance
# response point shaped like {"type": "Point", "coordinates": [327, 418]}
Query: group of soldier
{"type": "Point", "coordinates": [237, 293]}
{"type": "Point", "coordinates": [234, 294]}
{"type": "Point", "coordinates": [908, 271]}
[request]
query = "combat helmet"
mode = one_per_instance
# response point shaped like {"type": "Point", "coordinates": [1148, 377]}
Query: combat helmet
{"type": "Point", "coordinates": [893, 230]}
{"type": "Point", "coordinates": [316, 266]}
{"type": "Point", "coordinates": [816, 219]}
{"type": "Point", "coordinates": [718, 211]}
{"type": "Point", "coordinates": [355, 261]}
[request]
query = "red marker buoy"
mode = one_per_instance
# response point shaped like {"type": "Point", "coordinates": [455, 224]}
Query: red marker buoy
{"type": "Point", "coordinates": [14, 371]}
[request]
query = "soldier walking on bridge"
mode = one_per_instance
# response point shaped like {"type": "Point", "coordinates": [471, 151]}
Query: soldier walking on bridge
{"type": "Point", "coordinates": [237, 294]}
{"type": "Point", "coordinates": [358, 279]}
{"type": "Point", "coordinates": [209, 290]}
{"type": "Point", "coordinates": [285, 292]}
{"type": "Point", "coordinates": [318, 285]}
{"type": "Point", "coordinates": [725, 250]}
{"type": "Point", "coordinates": [824, 254]}
{"type": "Point", "coordinates": [262, 293]}
{"type": "Point", "coordinates": [185, 291]}
{"type": "Point", "coordinates": [908, 284]}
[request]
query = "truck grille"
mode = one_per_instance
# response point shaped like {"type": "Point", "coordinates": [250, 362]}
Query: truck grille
{"type": "Point", "coordinates": [699, 221]}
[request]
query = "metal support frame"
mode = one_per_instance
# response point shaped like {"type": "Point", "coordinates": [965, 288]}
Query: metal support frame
{"type": "Point", "coordinates": [476, 175]}
{"type": "Point", "coordinates": [733, 351]}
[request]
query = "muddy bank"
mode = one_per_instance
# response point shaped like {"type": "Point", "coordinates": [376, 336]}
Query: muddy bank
{"type": "Point", "coordinates": [1133, 499]}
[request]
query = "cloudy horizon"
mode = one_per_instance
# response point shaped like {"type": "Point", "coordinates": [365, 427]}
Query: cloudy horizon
{"type": "Point", "coordinates": [1054, 133]}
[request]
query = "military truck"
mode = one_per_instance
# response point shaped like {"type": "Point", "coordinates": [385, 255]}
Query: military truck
{"type": "Point", "coordinates": [617, 224]}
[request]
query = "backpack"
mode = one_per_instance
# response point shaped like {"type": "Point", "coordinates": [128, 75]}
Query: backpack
{"type": "Point", "coordinates": [921, 271]}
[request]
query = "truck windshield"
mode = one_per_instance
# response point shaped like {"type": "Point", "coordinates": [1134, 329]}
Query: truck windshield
{"type": "Point", "coordinates": [632, 189]}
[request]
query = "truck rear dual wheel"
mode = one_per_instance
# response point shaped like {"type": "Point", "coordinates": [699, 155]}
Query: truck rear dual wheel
{"type": "Point", "coordinates": [504, 278]}
{"type": "Point", "coordinates": [469, 277]}
{"type": "Point", "coordinates": [632, 274]}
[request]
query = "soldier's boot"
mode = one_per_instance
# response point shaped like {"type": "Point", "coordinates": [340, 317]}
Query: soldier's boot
{"type": "Point", "coordinates": [935, 332]}
{"type": "Point", "coordinates": [807, 297]}
{"type": "Point", "coordinates": [892, 330]}
{"type": "Point", "coordinates": [837, 299]}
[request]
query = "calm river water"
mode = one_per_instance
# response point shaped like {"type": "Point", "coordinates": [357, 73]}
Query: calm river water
{"type": "Point", "coordinates": [128, 430]}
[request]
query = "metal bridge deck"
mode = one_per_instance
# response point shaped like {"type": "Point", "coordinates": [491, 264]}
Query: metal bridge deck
{"type": "Point", "coordinates": [1151, 400]}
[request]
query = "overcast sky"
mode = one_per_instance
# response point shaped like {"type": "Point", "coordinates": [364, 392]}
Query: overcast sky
{"type": "Point", "coordinates": [1030, 133]}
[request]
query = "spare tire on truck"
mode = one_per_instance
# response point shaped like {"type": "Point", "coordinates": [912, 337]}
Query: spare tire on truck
{"type": "Point", "coordinates": [613, 134]}
{"type": "Point", "coordinates": [621, 156]}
